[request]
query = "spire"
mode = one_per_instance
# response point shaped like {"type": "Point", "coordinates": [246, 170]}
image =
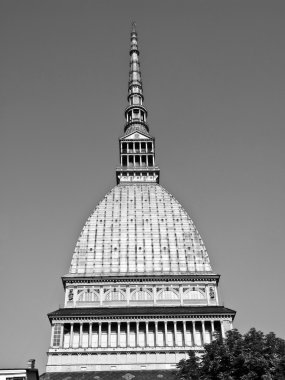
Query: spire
{"type": "Point", "coordinates": [135, 73]}
{"type": "Point", "coordinates": [137, 147]}
{"type": "Point", "coordinates": [135, 113]}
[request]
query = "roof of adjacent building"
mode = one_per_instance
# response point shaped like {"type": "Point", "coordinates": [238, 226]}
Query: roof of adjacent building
{"type": "Point", "coordinates": [29, 373]}
{"type": "Point", "coordinates": [139, 229]}
{"type": "Point", "coordinates": [141, 311]}
{"type": "Point", "coordinates": [111, 375]}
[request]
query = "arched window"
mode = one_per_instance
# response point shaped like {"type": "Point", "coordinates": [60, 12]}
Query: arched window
{"type": "Point", "coordinates": [115, 295]}
{"type": "Point", "coordinates": [194, 294]}
{"type": "Point", "coordinates": [167, 294]}
{"type": "Point", "coordinates": [141, 295]}
{"type": "Point", "coordinates": [88, 296]}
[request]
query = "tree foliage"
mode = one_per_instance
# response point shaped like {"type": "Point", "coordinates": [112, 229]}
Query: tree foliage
{"type": "Point", "coordinates": [251, 356]}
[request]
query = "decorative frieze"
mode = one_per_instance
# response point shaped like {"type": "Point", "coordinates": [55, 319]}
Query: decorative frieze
{"type": "Point", "coordinates": [191, 294]}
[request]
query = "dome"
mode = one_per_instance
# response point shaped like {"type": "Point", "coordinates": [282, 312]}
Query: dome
{"type": "Point", "coordinates": [139, 229]}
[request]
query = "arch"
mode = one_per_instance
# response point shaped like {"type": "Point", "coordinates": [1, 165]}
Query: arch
{"type": "Point", "coordinates": [167, 294]}
{"type": "Point", "coordinates": [88, 295]}
{"type": "Point", "coordinates": [115, 295]}
{"type": "Point", "coordinates": [141, 295]}
{"type": "Point", "coordinates": [194, 294]}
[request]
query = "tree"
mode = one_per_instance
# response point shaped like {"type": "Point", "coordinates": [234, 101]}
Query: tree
{"type": "Point", "coordinates": [189, 369]}
{"type": "Point", "coordinates": [251, 356]}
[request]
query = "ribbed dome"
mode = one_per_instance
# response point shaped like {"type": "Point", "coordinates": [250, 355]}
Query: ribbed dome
{"type": "Point", "coordinates": [139, 229]}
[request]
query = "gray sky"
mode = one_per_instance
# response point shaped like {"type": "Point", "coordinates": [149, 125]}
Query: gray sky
{"type": "Point", "coordinates": [214, 85]}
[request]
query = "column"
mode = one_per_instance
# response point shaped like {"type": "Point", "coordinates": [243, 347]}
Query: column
{"type": "Point", "coordinates": [109, 335]}
{"type": "Point", "coordinates": [137, 333]}
{"type": "Point", "coordinates": [146, 334]}
{"type": "Point", "coordinates": [75, 297]}
{"type": "Point", "coordinates": [156, 333]}
{"type": "Point", "coordinates": [194, 333]}
{"type": "Point", "coordinates": [212, 330]}
{"type": "Point", "coordinates": [203, 333]}
{"type": "Point", "coordinates": [66, 296]}
{"type": "Point", "coordinates": [181, 294]}
{"type": "Point", "coordinates": [100, 334]}
{"type": "Point", "coordinates": [217, 296]}
{"type": "Point", "coordinates": [80, 334]}
{"type": "Point", "coordinates": [165, 333]}
{"type": "Point", "coordinates": [184, 334]}
{"type": "Point", "coordinates": [71, 335]}
{"type": "Point", "coordinates": [222, 330]}
{"type": "Point", "coordinates": [128, 334]}
{"type": "Point", "coordinates": [175, 333]}
{"type": "Point", "coordinates": [128, 295]}
{"type": "Point", "coordinates": [52, 334]}
{"type": "Point", "coordinates": [90, 335]}
{"type": "Point", "coordinates": [119, 335]}
{"type": "Point", "coordinates": [61, 335]}
{"type": "Point", "coordinates": [101, 295]}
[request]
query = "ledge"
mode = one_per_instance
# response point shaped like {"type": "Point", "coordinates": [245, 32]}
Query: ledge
{"type": "Point", "coordinates": [151, 311]}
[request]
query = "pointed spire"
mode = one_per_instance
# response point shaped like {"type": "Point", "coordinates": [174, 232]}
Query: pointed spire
{"type": "Point", "coordinates": [135, 113]}
{"type": "Point", "coordinates": [137, 146]}
{"type": "Point", "coordinates": [135, 81]}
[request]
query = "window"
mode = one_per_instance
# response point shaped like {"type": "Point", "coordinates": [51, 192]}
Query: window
{"type": "Point", "coordinates": [194, 294]}
{"type": "Point", "coordinates": [88, 296]}
{"type": "Point", "coordinates": [137, 160]}
{"type": "Point", "coordinates": [56, 335]}
{"type": "Point", "coordinates": [115, 295]}
{"type": "Point", "coordinates": [167, 294]}
{"type": "Point", "coordinates": [124, 147]}
{"type": "Point", "coordinates": [124, 160]}
{"type": "Point", "coordinates": [141, 295]}
{"type": "Point", "coordinates": [150, 161]}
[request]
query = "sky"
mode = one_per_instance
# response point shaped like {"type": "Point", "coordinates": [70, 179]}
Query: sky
{"type": "Point", "coordinates": [214, 86]}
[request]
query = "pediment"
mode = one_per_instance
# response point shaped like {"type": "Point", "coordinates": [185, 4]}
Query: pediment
{"type": "Point", "coordinates": [136, 136]}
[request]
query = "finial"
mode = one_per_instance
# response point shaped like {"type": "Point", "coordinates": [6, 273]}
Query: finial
{"type": "Point", "coordinates": [134, 27]}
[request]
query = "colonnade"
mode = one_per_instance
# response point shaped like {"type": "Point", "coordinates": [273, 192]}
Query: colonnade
{"type": "Point", "coordinates": [137, 147]}
{"type": "Point", "coordinates": [137, 160]}
{"type": "Point", "coordinates": [135, 334]}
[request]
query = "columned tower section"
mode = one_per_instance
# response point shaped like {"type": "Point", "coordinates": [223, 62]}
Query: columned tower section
{"type": "Point", "coordinates": [137, 146]}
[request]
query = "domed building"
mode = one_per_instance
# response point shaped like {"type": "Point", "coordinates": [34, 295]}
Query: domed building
{"type": "Point", "coordinates": [140, 292]}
